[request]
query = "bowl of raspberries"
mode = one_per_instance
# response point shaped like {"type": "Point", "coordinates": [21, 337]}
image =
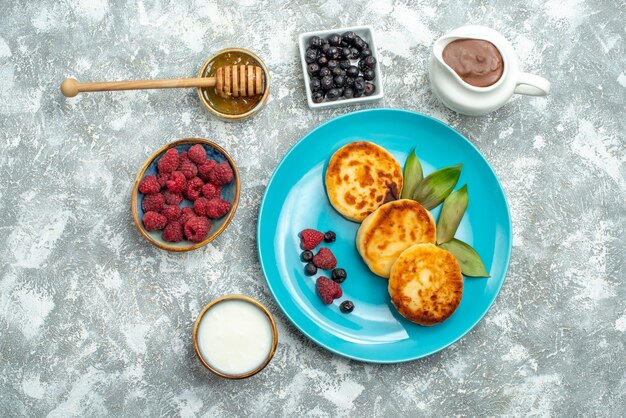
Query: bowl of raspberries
{"type": "Point", "coordinates": [185, 194]}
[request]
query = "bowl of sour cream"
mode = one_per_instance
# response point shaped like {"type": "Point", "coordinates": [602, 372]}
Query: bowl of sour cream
{"type": "Point", "coordinates": [235, 336]}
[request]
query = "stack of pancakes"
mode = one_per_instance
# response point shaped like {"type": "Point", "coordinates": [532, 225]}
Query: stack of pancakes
{"type": "Point", "coordinates": [396, 237]}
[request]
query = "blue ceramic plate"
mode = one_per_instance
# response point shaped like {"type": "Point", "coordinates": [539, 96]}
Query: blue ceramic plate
{"type": "Point", "coordinates": [230, 193]}
{"type": "Point", "coordinates": [295, 199]}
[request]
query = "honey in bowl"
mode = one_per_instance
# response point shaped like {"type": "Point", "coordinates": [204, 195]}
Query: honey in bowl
{"type": "Point", "coordinates": [231, 105]}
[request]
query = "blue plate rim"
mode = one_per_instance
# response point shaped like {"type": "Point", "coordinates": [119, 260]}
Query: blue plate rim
{"type": "Point", "coordinates": [329, 347]}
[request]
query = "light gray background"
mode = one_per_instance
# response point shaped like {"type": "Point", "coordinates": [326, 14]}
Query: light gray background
{"type": "Point", "coordinates": [95, 321]}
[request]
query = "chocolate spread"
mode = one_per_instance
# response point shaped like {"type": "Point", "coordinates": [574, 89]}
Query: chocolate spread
{"type": "Point", "coordinates": [477, 62]}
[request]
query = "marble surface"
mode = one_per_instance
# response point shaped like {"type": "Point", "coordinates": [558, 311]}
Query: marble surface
{"type": "Point", "coordinates": [94, 321]}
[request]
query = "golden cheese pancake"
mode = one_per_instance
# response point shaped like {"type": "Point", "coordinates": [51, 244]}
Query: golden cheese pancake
{"type": "Point", "coordinates": [360, 177]}
{"type": "Point", "coordinates": [391, 229]}
{"type": "Point", "coordinates": [426, 285]}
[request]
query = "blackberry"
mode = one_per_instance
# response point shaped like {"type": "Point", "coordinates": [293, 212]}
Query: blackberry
{"type": "Point", "coordinates": [370, 88]}
{"type": "Point", "coordinates": [312, 69]}
{"type": "Point", "coordinates": [310, 56]}
{"type": "Point", "coordinates": [306, 256]}
{"type": "Point", "coordinates": [317, 97]}
{"type": "Point", "coordinates": [330, 236]}
{"type": "Point", "coordinates": [310, 269]}
{"type": "Point", "coordinates": [333, 94]}
{"type": "Point", "coordinates": [335, 39]}
{"type": "Point", "coordinates": [352, 71]}
{"type": "Point", "coordinates": [327, 82]}
{"type": "Point", "coordinates": [315, 84]}
{"type": "Point", "coordinates": [315, 42]}
{"type": "Point", "coordinates": [349, 37]}
{"type": "Point", "coordinates": [322, 61]}
{"type": "Point", "coordinates": [365, 53]}
{"type": "Point", "coordinates": [359, 85]}
{"type": "Point", "coordinates": [369, 74]}
{"type": "Point", "coordinates": [333, 53]}
{"type": "Point", "coordinates": [339, 275]}
{"type": "Point", "coordinates": [370, 62]}
{"type": "Point", "coordinates": [346, 306]}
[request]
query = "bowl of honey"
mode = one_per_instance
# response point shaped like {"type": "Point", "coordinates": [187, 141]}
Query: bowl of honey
{"type": "Point", "coordinates": [231, 107]}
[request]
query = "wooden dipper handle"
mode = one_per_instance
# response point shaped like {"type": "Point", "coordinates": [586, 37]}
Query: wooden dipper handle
{"type": "Point", "coordinates": [229, 81]}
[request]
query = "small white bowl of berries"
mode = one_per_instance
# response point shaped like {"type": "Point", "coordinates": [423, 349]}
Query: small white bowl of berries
{"type": "Point", "coordinates": [340, 67]}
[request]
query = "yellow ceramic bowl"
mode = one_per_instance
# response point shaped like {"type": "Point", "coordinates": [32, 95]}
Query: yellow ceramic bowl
{"type": "Point", "coordinates": [230, 192]}
{"type": "Point", "coordinates": [245, 299]}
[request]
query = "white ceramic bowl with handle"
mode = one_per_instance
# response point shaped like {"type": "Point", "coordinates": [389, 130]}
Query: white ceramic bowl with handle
{"type": "Point", "coordinates": [365, 32]}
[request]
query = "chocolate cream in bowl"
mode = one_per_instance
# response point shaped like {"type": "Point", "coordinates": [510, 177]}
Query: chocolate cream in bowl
{"type": "Point", "coordinates": [477, 62]}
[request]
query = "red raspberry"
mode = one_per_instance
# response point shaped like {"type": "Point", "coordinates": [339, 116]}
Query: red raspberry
{"type": "Point", "coordinates": [183, 156]}
{"type": "Point", "coordinates": [171, 212]}
{"type": "Point", "coordinates": [221, 174]}
{"type": "Point", "coordinates": [200, 206]}
{"type": "Point", "coordinates": [153, 202]}
{"type": "Point", "coordinates": [310, 238]}
{"type": "Point", "coordinates": [162, 179]}
{"type": "Point", "coordinates": [197, 228]}
{"type": "Point", "coordinates": [153, 221]}
{"type": "Point", "coordinates": [186, 214]}
{"type": "Point", "coordinates": [172, 198]}
{"type": "Point", "coordinates": [328, 290]}
{"type": "Point", "coordinates": [188, 168]}
{"type": "Point", "coordinates": [169, 161]}
{"type": "Point", "coordinates": [194, 188]}
{"type": "Point", "coordinates": [204, 170]}
{"type": "Point", "coordinates": [210, 191]}
{"type": "Point", "coordinates": [216, 208]}
{"type": "Point", "coordinates": [325, 259]}
{"type": "Point", "coordinates": [149, 185]}
{"type": "Point", "coordinates": [197, 154]}
{"type": "Point", "coordinates": [173, 232]}
{"type": "Point", "coordinates": [177, 183]}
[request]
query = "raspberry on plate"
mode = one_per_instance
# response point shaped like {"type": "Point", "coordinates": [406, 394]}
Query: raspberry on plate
{"type": "Point", "coordinates": [186, 214]}
{"type": "Point", "coordinates": [153, 221]}
{"type": "Point", "coordinates": [171, 212]}
{"type": "Point", "coordinates": [216, 208]}
{"type": "Point", "coordinates": [200, 206]}
{"type": "Point", "coordinates": [325, 259]}
{"type": "Point", "coordinates": [149, 185]}
{"type": "Point", "coordinates": [197, 154]}
{"type": "Point", "coordinates": [328, 290]}
{"type": "Point", "coordinates": [183, 156]}
{"type": "Point", "coordinates": [173, 232]}
{"type": "Point", "coordinates": [205, 169]}
{"type": "Point", "coordinates": [211, 190]}
{"type": "Point", "coordinates": [188, 168]}
{"type": "Point", "coordinates": [194, 188]}
{"type": "Point", "coordinates": [169, 161]}
{"type": "Point", "coordinates": [153, 202]}
{"type": "Point", "coordinates": [221, 174]}
{"type": "Point", "coordinates": [197, 229]}
{"type": "Point", "coordinates": [162, 179]}
{"type": "Point", "coordinates": [310, 238]}
{"type": "Point", "coordinates": [172, 198]}
{"type": "Point", "coordinates": [177, 183]}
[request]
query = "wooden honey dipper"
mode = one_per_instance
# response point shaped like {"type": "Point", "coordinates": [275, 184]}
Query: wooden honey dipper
{"type": "Point", "coordinates": [229, 81]}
